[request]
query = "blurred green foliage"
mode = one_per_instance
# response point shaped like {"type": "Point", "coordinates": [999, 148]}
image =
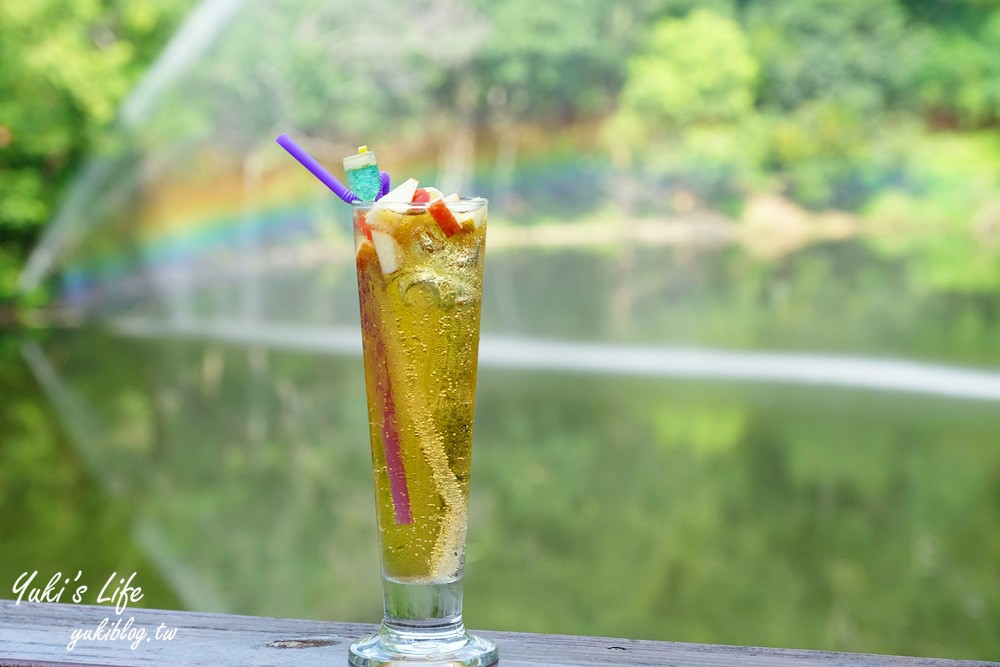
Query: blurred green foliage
{"type": "Point", "coordinates": [695, 69]}
{"type": "Point", "coordinates": [827, 103]}
{"type": "Point", "coordinates": [687, 108]}
{"type": "Point", "coordinates": [53, 506]}
{"type": "Point", "coordinates": [825, 98]}
{"type": "Point", "coordinates": [854, 53]}
{"type": "Point", "coordinates": [958, 81]}
{"type": "Point", "coordinates": [64, 68]}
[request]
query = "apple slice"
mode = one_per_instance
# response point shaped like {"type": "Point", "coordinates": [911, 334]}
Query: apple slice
{"type": "Point", "coordinates": [479, 217]}
{"type": "Point", "coordinates": [433, 193]}
{"type": "Point", "coordinates": [452, 198]}
{"type": "Point", "coordinates": [362, 223]}
{"type": "Point", "coordinates": [364, 252]}
{"type": "Point", "coordinates": [473, 219]}
{"type": "Point", "coordinates": [388, 251]}
{"type": "Point", "coordinates": [444, 217]}
{"type": "Point", "coordinates": [401, 194]}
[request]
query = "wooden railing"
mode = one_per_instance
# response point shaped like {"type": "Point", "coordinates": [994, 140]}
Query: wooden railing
{"type": "Point", "coordinates": [32, 635]}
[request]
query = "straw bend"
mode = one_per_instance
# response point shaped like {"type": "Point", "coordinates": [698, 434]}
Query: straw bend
{"type": "Point", "coordinates": [385, 183]}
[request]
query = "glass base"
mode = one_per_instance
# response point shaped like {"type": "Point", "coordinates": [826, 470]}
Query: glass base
{"type": "Point", "coordinates": [407, 645]}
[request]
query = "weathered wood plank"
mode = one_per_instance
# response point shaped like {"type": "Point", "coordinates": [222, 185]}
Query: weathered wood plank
{"type": "Point", "coordinates": [37, 635]}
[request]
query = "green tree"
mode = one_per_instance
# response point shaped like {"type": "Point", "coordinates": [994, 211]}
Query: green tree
{"type": "Point", "coordinates": [64, 68]}
{"type": "Point", "coordinates": [855, 52]}
{"type": "Point", "coordinates": [692, 70]}
{"type": "Point", "coordinates": [686, 110]}
{"type": "Point", "coordinates": [958, 80]}
{"type": "Point", "coordinates": [558, 62]}
{"type": "Point", "coordinates": [831, 71]}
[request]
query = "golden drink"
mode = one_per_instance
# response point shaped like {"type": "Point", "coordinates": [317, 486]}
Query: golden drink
{"type": "Point", "coordinates": [420, 328]}
{"type": "Point", "coordinates": [420, 277]}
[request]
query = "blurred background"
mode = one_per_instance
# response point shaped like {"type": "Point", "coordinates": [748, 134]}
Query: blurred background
{"type": "Point", "coordinates": [740, 374]}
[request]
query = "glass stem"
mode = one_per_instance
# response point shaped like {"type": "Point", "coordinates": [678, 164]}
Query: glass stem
{"type": "Point", "coordinates": [409, 606]}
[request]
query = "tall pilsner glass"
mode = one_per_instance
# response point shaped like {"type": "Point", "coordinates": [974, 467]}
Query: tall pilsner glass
{"type": "Point", "coordinates": [420, 277]}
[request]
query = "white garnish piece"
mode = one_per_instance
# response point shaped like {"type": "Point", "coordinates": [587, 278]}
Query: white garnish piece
{"type": "Point", "coordinates": [401, 194]}
{"type": "Point", "coordinates": [477, 218]}
{"type": "Point", "coordinates": [387, 251]}
{"type": "Point", "coordinates": [433, 192]}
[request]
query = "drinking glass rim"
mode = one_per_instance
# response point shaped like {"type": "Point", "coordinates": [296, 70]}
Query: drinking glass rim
{"type": "Point", "coordinates": [464, 205]}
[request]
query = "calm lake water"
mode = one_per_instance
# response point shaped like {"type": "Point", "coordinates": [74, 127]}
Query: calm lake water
{"type": "Point", "coordinates": [735, 493]}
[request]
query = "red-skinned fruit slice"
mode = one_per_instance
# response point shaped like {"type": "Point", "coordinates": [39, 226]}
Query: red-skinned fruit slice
{"type": "Point", "coordinates": [421, 195]}
{"type": "Point", "coordinates": [362, 222]}
{"type": "Point", "coordinates": [444, 217]}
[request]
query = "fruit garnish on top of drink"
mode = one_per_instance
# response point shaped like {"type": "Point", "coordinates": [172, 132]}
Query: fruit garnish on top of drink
{"type": "Point", "coordinates": [395, 220]}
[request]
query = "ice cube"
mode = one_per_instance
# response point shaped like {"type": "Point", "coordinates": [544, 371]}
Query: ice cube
{"type": "Point", "coordinates": [425, 288]}
{"type": "Point", "coordinates": [429, 242]}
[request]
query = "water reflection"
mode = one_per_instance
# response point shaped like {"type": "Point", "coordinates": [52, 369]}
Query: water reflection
{"type": "Point", "coordinates": [611, 359]}
{"type": "Point", "coordinates": [244, 491]}
{"type": "Point", "coordinates": [643, 506]}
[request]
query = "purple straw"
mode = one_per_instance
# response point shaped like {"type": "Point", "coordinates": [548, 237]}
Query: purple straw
{"type": "Point", "coordinates": [328, 179]}
{"type": "Point", "coordinates": [310, 163]}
